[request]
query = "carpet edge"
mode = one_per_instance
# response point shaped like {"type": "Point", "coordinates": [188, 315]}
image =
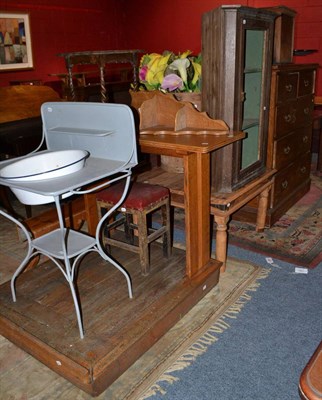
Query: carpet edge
{"type": "Point", "coordinates": [210, 336]}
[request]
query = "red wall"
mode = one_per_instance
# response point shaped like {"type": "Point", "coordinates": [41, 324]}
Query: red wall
{"type": "Point", "coordinates": [80, 25]}
{"type": "Point", "coordinates": [62, 26]}
{"type": "Point", "coordinates": [176, 25]}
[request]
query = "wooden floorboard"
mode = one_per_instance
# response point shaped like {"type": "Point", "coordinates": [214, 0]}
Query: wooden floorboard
{"type": "Point", "coordinates": [118, 330]}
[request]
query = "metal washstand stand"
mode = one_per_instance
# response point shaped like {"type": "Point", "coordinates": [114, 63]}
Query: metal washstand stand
{"type": "Point", "coordinates": [106, 135]}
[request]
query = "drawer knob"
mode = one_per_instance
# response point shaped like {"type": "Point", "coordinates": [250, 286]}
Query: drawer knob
{"type": "Point", "coordinates": [284, 184]}
{"type": "Point", "coordinates": [306, 82]}
{"type": "Point", "coordinates": [305, 139]}
{"type": "Point", "coordinates": [287, 149]}
{"type": "Point", "coordinates": [303, 170]}
{"type": "Point", "coordinates": [306, 110]}
{"type": "Point", "coordinates": [289, 87]}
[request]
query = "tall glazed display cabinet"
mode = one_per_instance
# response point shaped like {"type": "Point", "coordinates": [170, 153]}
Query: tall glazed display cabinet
{"type": "Point", "coordinates": [237, 45]}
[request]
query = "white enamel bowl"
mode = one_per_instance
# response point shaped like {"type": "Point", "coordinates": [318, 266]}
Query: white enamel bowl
{"type": "Point", "coordinates": [48, 165]}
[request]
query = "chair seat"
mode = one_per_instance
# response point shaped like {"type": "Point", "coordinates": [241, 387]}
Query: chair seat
{"type": "Point", "coordinates": [140, 195]}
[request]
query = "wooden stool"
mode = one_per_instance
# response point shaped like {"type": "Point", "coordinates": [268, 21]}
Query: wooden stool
{"type": "Point", "coordinates": [142, 200]}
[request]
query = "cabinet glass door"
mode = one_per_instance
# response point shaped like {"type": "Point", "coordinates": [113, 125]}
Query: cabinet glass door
{"type": "Point", "coordinates": [252, 95]}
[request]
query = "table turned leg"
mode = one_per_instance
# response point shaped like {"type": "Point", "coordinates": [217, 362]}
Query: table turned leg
{"type": "Point", "coordinates": [221, 240]}
{"type": "Point", "coordinates": [262, 209]}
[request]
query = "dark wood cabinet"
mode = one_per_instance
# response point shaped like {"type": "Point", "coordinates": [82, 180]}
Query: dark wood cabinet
{"type": "Point", "coordinates": [290, 135]}
{"type": "Point", "coordinates": [283, 34]}
{"type": "Point", "coordinates": [237, 45]}
{"type": "Point", "coordinates": [289, 139]}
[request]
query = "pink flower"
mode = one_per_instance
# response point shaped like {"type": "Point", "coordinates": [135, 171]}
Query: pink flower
{"type": "Point", "coordinates": [172, 82]}
{"type": "Point", "coordinates": [142, 73]}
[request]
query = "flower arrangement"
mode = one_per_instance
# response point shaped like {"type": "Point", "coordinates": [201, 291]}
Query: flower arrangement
{"type": "Point", "coordinates": [170, 72]}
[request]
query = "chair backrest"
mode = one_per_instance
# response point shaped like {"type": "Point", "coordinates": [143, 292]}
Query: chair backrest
{"type": "Point", "coordinates": [105, 130]}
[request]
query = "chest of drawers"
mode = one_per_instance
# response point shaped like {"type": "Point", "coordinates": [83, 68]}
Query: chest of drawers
{"type": "Point", "coordinates": [289, 138]}
{"type": "Point", "coordinates": [290, 134]}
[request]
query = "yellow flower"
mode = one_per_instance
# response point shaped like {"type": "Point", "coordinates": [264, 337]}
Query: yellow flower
{"type": "Point", "coordinates": [197, 72]}
{"type": "Point", "coordinates": [185, 54]}
{"type": "Point", "coordinates": [157, 71]}
{"type": "Point", "coordinates": [156, 67]}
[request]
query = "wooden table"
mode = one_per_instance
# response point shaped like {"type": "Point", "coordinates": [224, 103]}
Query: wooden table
{"type": "Point", "coordinates": [195, 151]}
{"type": "Point", "coordinates": [100, 59]}
{"type": "Point", "coordinates": [87, 83]}
{"type": "Point", "coordinates": [223, 205]}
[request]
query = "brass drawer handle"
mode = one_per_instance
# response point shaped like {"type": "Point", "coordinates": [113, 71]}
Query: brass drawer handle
{"type": "Point", "coordinates": [305, 139]}
{"type": "Point", "coordinates": [288, 118]}
{"type": "Point", "coordinates": [284, 184]}
{"type": "Point", "coordinates": [287, 149]}
{"type": "Point", "coordinates": [306, 110]}
{"type": "Point", "coordinates": [289, 87]}
{"type": "Point", "coordinates": [306, 83]}
{"type": "Point", "coordinates": [303, 170]}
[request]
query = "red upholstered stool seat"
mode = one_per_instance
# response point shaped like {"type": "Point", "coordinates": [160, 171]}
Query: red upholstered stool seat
{"type": "Point", "coordinates": [142, 199]}
{"type": "Point", "coordinates": [140, 196]}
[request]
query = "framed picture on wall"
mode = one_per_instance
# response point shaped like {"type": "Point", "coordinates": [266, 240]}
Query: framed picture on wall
{"type": "Point", "coordinates": [15, 42]}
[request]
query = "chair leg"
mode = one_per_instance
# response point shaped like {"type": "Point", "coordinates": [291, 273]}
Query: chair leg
{"type": "Point", "coordinates": [128, 230]}
{"type": "Point", "coordinates": [165, 210]}
{"type": "Point", "coordinates": [143, 243]}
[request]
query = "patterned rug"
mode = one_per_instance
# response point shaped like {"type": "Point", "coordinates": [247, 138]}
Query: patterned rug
{"type": "Point", "coordinates": [295, 238]}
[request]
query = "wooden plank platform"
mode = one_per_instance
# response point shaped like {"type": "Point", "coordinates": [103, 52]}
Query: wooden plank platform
{"type": "Point", "coordinates": [118, 330]}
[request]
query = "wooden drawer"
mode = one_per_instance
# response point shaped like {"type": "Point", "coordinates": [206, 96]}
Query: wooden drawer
{"type": "Point", "coordinates": [287, 180]}
{"type": "Point", "coordinates": [304, 112]}
{"type": "Point", "coordinates": [293, 114]}
{"type": "Point", "coordinates": [287, 149]}
{"type": "Point", "coordinates": [285, 118]}
{"type": "Point", "coordinates": [304, 139]}
{"type": "Point", "coordinates": [306, 82]}
{"type": "Point", "coordinates": [287, 86]}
